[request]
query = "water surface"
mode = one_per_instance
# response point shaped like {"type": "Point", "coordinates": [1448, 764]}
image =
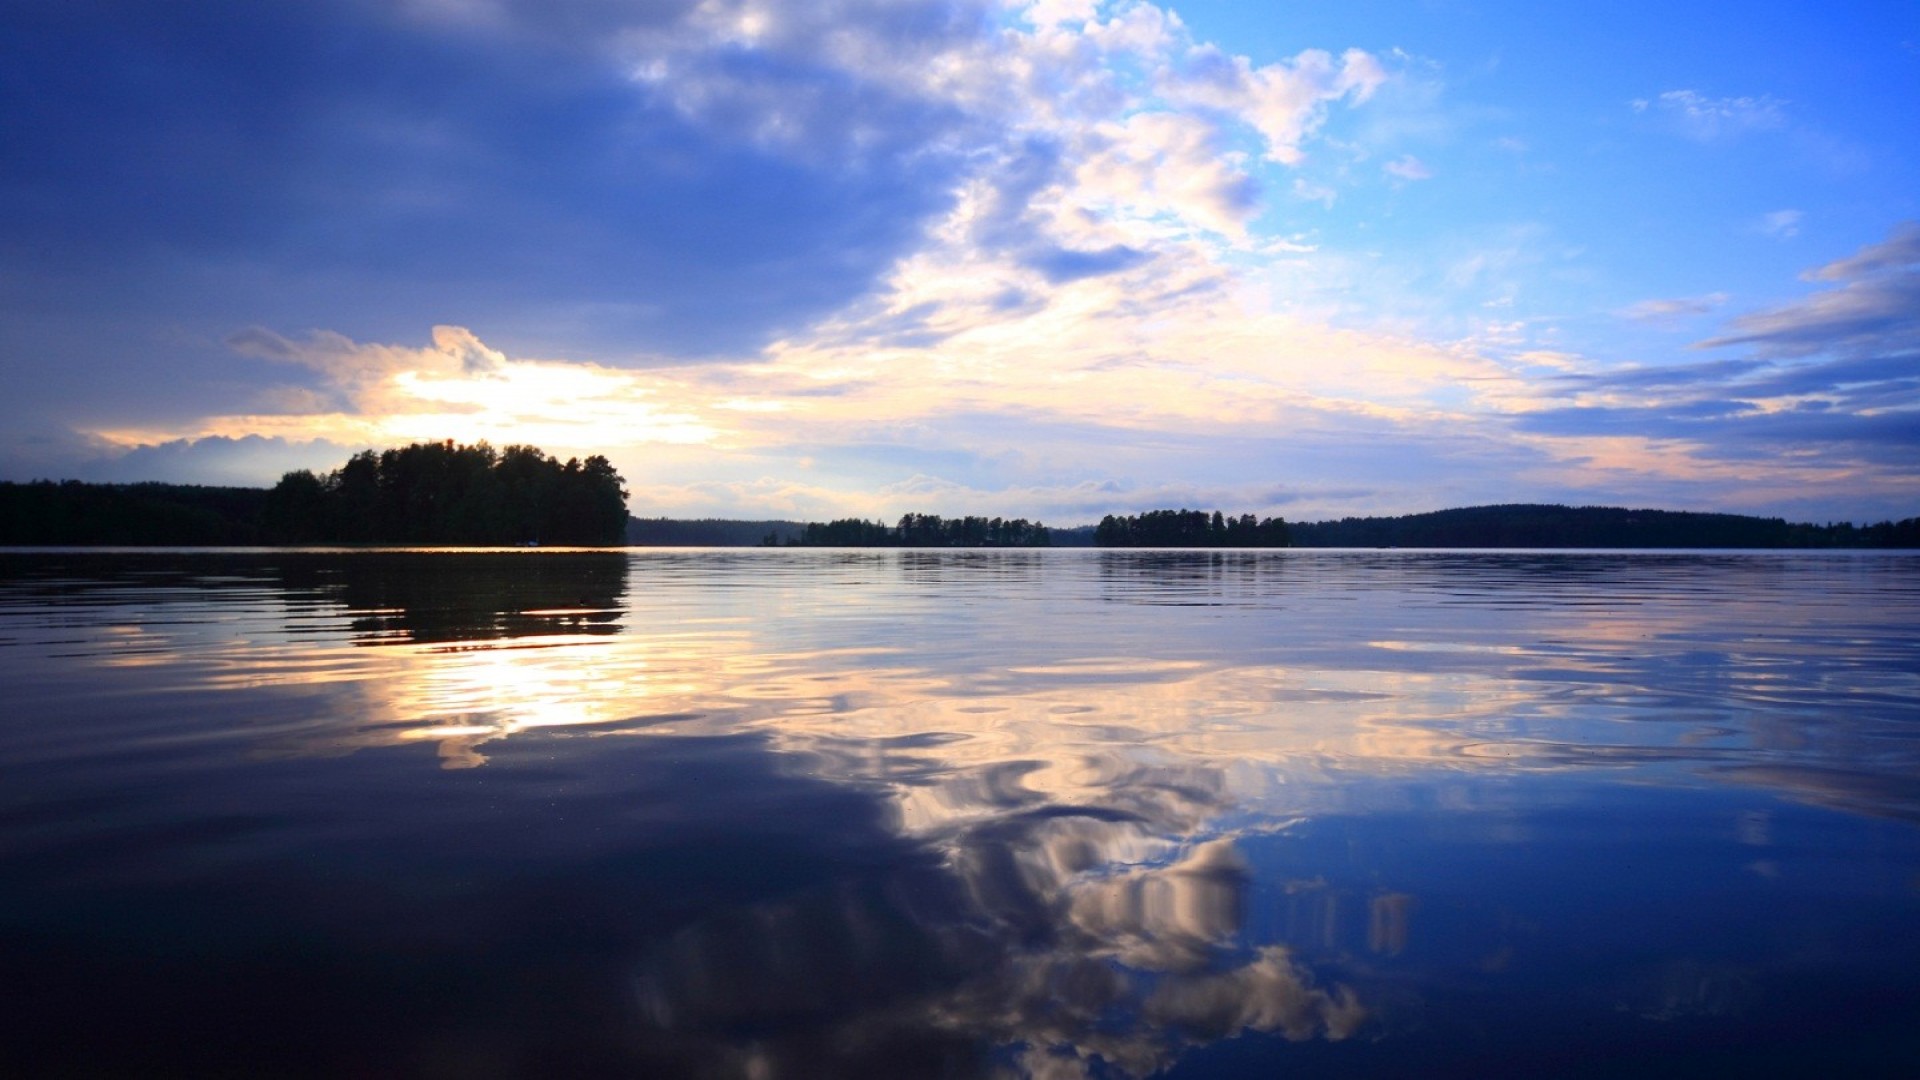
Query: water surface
{"type": "Point", "coordinates": [900, 813]}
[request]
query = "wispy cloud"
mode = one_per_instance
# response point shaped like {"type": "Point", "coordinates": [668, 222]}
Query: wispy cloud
{"type": "Point", "coordinates": [1780, 224]}
{"type": "Point", "coordinates": [1407, 167]}
{"type": "Point", "coordinates": [1672, 310]}
{"type": "Point", "coordinates": [1709, 119]}
{"type": "Point", "coordinates": [1873, 306]}
{"type": "Point", "coordinates": [1828, 390]}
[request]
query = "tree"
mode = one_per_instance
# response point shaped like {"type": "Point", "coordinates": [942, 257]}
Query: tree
{"type": "Point", "coordinates": [444, 493]}
{"type": "Point", "coordinates": [1190, 528]}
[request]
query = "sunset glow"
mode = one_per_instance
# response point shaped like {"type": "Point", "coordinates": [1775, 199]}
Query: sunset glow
{"type": "Point", "coordinates": [1046, 259]}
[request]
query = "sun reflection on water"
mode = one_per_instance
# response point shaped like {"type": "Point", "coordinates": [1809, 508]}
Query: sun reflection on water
{"type": "Point", "coordinates": [1087, 756]}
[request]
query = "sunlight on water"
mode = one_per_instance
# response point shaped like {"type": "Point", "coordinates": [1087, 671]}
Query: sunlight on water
{"type": "Point", "coordinates": [1048, 813]}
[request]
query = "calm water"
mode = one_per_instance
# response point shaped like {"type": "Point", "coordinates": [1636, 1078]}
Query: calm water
{"type": "Point", "coordinates": [892, 814]}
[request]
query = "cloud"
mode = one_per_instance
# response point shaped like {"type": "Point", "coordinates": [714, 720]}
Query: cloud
{"type": "Point", "coordinates": [1673, 309]}
{"type": "Point", "coordinates": [853, 256]}
{"type": "Point", "coordinates": [1828, 389]}
{"type": "Point", "coordinates": [1874, 306]}
{"type": "Point", "coordinates": [632, 184]}
{"type": "Point", "coordinates": [1168, 164]}
{"type": "Point", "coordinates": [1899, 253]}
{"type": "Point", "coordinates": [393, 165]}
{"type": "Point", "coordinates": [1708, 119]}
{"type": "Point", "coordinates": [1307, 191]}
{"type": "Point", "coordinates": [1407, 167]}
{"type": "Point", "coordinates": [1781, 224]}
{"type": "Point", "coordinates": [1285, 101]}
{"type": "Point", "coordinates": [216, 460]}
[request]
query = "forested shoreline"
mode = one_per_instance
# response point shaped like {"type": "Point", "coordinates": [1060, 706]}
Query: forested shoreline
{"type": "Point", "coordinates": [924, 530]}
{"type": "Point", "coordinates": [443, 493]}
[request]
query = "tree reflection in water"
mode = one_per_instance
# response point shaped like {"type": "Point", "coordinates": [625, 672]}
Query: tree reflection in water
{"type": "Point", "coordinates": [956, 813]}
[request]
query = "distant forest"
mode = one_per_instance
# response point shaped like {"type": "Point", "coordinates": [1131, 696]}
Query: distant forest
{"type": "Point", "coordinates": [710, 532]}
{"type": "Point", "coordinates": [441, 493]}
{"type": "Point", "coordinates": [71, 513]}
{"type": "Point", "coordinates": [1190, 528]}
{"type": "Point", "coordinates": [426, 493]}
{"type": "Point", "coordinates": [925, 530]}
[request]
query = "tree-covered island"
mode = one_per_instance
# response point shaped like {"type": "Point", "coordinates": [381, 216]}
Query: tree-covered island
{"type": "Point", "coordinates": [425, 493]}
{"type": "Point", "coordinates": [443, 493]}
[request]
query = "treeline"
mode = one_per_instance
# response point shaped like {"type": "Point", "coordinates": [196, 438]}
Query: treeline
{"type": "Point", "coordinates": [925, 530]}
{"type": "Point", "coordinates": [45, 513]}
{"type": "Point", "coordinates": [1190, 528]}
{"type": "Point", "coordinates": [442, 493]}
{"type": "Point", "coordinates": [710, 532]}
{"type": "Point", "coordinates": [1550, 526]}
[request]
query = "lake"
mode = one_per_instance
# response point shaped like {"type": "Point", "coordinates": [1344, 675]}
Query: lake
{"type": "Point", "coordinates": [1053, 813]}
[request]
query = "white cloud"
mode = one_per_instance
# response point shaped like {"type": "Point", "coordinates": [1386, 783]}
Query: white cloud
{"type": "Point", "coordinates": [1285, 102]}
{"type": "Point", "coordinates": [1141, 121]}
{"type": "Point", "coordinates": [1165, 163]}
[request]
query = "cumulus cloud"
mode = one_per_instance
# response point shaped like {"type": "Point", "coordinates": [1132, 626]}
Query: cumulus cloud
{"type": "Point", "coordinates": [1284, 101]}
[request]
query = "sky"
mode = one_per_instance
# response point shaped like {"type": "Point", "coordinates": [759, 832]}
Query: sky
{"type": "Point", "coordinates": [1055, 259]}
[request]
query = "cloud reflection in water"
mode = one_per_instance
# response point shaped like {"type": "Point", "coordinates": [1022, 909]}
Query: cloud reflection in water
{"type": "Point", "coordinates": [1094, 759]}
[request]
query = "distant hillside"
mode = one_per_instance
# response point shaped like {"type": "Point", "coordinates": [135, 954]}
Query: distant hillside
{"type": "Point", "coordinates": [709, 532]}
{"type": "Point", "coordinates": [1524, 525]}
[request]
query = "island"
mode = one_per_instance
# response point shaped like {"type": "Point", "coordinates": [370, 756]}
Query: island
{"type": "Point", "coordinates": [429, 493]}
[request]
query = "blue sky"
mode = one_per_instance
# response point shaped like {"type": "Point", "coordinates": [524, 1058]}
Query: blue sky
{"type": "Point", "coordinates": [1054, 260]}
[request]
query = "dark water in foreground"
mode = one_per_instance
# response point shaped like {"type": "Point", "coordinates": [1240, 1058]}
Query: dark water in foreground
{"type": "Point", "coordinates": [893, 814]}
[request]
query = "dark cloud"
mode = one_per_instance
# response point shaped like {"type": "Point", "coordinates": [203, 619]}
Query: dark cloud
{"type": "Point", "coordinates": [334, 166]}
{"type": "Point", "coordinates": [1854, 344]}
{"type": "Point", "coordinates": [1753, 378]}
{"type": "Point", "coordinates": [1649, 378]}
{"type": "Point", "coordinates": [1889, 438]}
{"type": "Point", "coordinates": [215, 460]}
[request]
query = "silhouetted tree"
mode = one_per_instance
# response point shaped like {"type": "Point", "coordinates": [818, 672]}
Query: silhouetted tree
{"type": "Point", "coordinates": [1188, 529]}
{"type": "Point", "coordinates": [444, 493]}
